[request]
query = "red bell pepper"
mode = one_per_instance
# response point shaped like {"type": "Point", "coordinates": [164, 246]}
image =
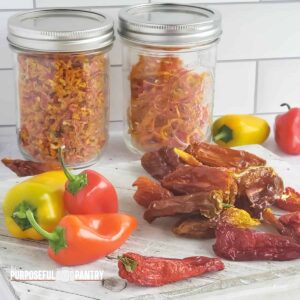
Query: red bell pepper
{"type": "Point", "coordinates": [88, 192]}
{"type": "Point", "coordinates": [287, 130]}
{"type": "Point", "coordinates": [80, 239]}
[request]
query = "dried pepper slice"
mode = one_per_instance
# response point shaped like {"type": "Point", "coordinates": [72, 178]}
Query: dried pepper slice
{"type": "Point", "coordinates": [168, 105]}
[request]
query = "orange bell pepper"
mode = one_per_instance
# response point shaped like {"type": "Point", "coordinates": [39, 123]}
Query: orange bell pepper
{"type": "Point", "coordinates": [80, 239]}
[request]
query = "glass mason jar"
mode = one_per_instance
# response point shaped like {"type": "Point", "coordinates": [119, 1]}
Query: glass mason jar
{"type": "Point", "coordinates": [62, 80]}
{"type": "Point", "coordinates": [169, 57]}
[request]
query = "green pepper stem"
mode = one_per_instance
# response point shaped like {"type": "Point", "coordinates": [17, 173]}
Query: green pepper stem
{"type": "Point", "coordinates": [286, 104]}
{"type": "Point", "coordinates": [224, 134]}
{"type": "Point", "coordinates": [47, 235]}
{"type": "Point", "coordinates": [67, 172]}
{"type": "Point", "coordinates": [76, 182]}
{"type": "Point", "coordinates": [220, 136]}
{"type": "Point", "coordinates": [129, 263]}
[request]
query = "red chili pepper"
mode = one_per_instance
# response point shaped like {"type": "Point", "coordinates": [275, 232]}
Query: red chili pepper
{"type": "Point", "coordinates": [88, 192]}
{"type": "Point", "coordinates": [241, 244]}
{"type": "Point", "coordinates": [288, 225]}
{"type": "Point", "coordinates": [290, 200]}
{"type": "Point", "coordinates": [158, 271]}
{"type": "Point", "coordinates": [80, 239]}
{"type": "Point", "coordinates": [287, 130]}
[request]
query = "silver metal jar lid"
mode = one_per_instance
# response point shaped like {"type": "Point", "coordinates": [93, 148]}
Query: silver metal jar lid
{"type": "Point", "coordinates": [169, 24]}
{"type": "Point", "coordinates": [60, 30]}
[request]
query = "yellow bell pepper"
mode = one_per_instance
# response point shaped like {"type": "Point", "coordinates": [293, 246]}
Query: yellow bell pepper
{"type": "Point", "coordinates": [44, 195]}
{"type": "Point", "coordinates": [237, 130]}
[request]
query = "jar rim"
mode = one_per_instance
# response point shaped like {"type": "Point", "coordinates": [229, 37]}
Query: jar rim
{"type": "Point", "coordinates": [169, 24]}
{"type": "Point", "coordinates": [60, 30]}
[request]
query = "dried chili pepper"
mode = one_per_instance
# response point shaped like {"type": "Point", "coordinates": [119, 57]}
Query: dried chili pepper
{"type": "Point", "coordinates": [29, 168]}
{"type": "Point", "coordinates": [196, 226]}
{"type": "Point", "coordinates": [290, 200]}
{"type": "Point", "coordinates": [148, 191]}
{"type": "Point", "coordinates": [158, 271]}
{"type": "Point", "coordinates": [217, 156]}
{"type": "Point", "coordinates": [288, 225]}
{"type": "Point", "coordinates": [243, 244]}
{"type": "Point", "coordinates": [208, 204]}
{"type": "Point", "coordinates": [189, 180]}
{"type": "Point", "coordinates": [258, 188]}
{"type": "Point", "coordinates": [161, 162]}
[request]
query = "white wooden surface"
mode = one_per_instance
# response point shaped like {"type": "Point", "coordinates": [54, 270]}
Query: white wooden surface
{"type": "Point", "coordinates": [155, 239]}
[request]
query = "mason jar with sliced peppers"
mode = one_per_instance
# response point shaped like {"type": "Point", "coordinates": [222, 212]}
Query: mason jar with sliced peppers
{"type": "Point", "coordinates": [169, 56]}
{"type": "Point", "coordinates": [61, 65]}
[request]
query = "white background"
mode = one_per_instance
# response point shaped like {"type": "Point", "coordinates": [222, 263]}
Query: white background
{"type": "Point", "coordinates": [258, 59]}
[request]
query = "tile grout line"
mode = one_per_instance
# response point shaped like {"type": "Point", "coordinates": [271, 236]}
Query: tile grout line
{"type": "Point", "coordinates": [256, 87]}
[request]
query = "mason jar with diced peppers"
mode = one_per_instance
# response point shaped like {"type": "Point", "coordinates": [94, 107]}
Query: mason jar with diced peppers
{"type": "Point", "coordinates": [169, 57]}
{"type": "Point", "coordinates": [62, 71]}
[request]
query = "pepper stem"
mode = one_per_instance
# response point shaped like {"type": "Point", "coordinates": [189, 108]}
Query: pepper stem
{"type": "Point", "coordinates": [224, 134]}
{"type": "Point", "coordinates": [286, 104]}
{"type": "Point", "coordinates": [129, 263]}
{"type": "Point", "coordinates": [76, 182]}
{"type": "Point", "coordinates": [56, 238]}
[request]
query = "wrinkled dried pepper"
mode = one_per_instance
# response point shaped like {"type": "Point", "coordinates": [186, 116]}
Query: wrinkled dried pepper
{"type": "Point", "coordinates": [148, 191]}
{"type": "Point", "coordinates": [288, 225]}
{"type": "Point", "coordinates": [158, 271]}
{"type": "Point", "coordinates": [290, 200]}
{"type": "Point", "coordinates": [240, 244]}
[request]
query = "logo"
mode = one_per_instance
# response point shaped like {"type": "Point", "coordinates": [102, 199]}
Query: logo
{"type": "Point", "coordinates": [62, 274]}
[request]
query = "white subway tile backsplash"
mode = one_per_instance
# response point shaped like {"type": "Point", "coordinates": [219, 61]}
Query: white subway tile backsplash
{"type": "Point", "coordinates": [278, 82]}
{"type": "Point", "coordinates": [235, 88]}
{"type": "Point", "coordinates": [255, 32]}
{"type": "Point", "coordinates": [16, 4]}
{"type": "Point", "coordinates": [7, 98]}
{"type": "Point", "coordinates": [260, 30]}
{"type": "Point", "coordinates": [78, 3]}
{"type": "Point", "coordinates": [5, 52]}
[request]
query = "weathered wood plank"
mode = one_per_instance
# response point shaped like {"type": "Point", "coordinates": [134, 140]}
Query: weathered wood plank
{"type": "Point", "coordinates": [155, 239]}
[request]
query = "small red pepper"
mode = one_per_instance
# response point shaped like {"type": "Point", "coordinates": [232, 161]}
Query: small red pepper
{"type": "Point", "coordinates": [158, 271]}
{"type": "Point", "coordinates": [287, 130]}
{"type": "Point", "coordinates": [240, 244]}
{"type": "Point", "coordinates": [88, 192]}
{"type": "Point", "coordinates": [80, 239]}
{"type": "Point", "coordinates": [291, 200]}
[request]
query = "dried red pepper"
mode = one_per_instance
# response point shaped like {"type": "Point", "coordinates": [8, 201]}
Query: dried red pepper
{"type": "Point", "coordinates": [149, 191]}
{"type": "Point", "coordinates": [158, 271]}
{"type": "Point", "coordinates": [242, 244]}
{"type": "Point", "coordinates": [29, 168]}
{"type": "Point", "coordinates": [290, 200]}
{"type": "Point", "coordinates": [288, 225]}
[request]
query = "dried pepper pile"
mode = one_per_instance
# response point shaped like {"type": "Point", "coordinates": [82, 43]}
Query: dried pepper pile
{"type": "Point", "coordinates": [168, 105]}
{"type": "Point", "coordinates": [221, 192]}
{"type": "Point", "coordinates": [63, 101]}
